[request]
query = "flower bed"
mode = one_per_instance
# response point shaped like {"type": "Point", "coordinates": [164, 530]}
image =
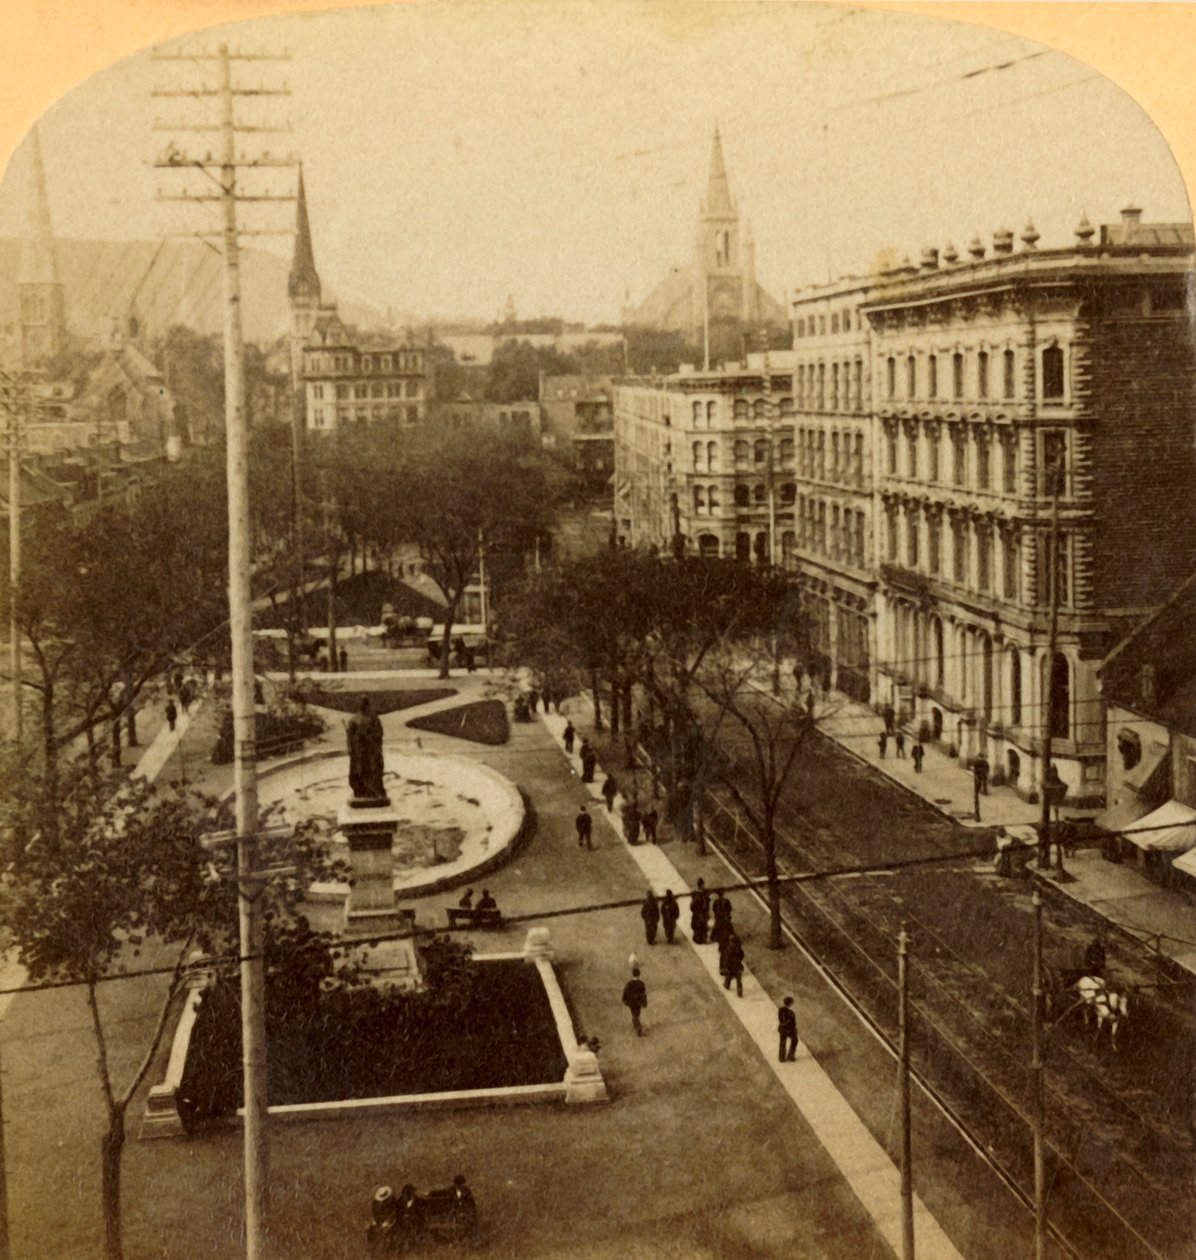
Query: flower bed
{"type": "Point", "coordinates": [382, 702]}
{"type": "Point", "coordinates": [482, 721]}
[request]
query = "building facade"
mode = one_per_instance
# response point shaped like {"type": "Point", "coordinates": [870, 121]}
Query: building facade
{"type": "Point", "coordinates": [1033, 424]}
{"type": "Point", "coordinates": [705, 460]}
{"type": "Point", "coordinates": [835, 466]}
{"type": "Point", "coordinates": [577, 416]}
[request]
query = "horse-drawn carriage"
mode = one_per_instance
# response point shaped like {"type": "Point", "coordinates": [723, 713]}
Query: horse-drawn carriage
{"type": "Point", "coordinates": [1075, 981]}
{"type": "Point", "coordinates": [401, 1223]}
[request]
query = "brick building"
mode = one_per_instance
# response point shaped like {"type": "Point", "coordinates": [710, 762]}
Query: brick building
{"type": "Point", "coordinates": [577, 416]}
{"type": "Point", "coordinates": [835, 482]}
{"type": "Point", "coordinates": [1001, 385]}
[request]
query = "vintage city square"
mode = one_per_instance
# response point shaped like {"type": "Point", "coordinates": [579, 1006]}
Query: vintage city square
{"type": "Point", "coordinates": [600, 613]}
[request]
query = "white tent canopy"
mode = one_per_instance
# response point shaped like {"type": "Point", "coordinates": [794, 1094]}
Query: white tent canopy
{"type": "Point", "coordinates": [1170, 828]}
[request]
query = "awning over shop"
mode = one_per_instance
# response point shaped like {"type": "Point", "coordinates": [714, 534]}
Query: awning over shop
{"type": "Point", "coordinates": [1170, 828]}
{"type": "Point", "coordinates": [1147, 773]}
{"type": "Point", "coordinates": [1122, 815]}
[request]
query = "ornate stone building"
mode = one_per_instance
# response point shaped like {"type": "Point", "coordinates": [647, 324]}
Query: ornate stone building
{"type": "Point", "coordinates": [1022, 397]}
{"type": "Point", "coordinates": [708, 457]}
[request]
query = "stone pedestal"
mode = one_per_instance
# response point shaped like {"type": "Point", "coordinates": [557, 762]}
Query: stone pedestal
{"type": "Point", "coordinates": [371, 908]}
{"type": "Point", "coordinates": [583, 1077]}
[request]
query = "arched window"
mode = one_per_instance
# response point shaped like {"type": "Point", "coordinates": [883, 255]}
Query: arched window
{"type": "Point", "coordinates": [1010, 380]}
{"type": "Point", "coordinates": [787, 451]}
{"type": "Point", "coordinates": [1060, 699]}
{"type": "Point", "coordinates": [697, 415]}
{"type": "Point", "coordinates": [743, 496]}
{"type": "Point", "coordinates": [741, 409]}
{"type": "Point", "coordinates": [759, 493]}
{"type": "Point", "coordinates": [758, 409]}
{"type": "Point", "coordinates": [699, 500]}
{"type": "Point", "coordinates": [711, 413]}
{"type": "Point", "coordinates": [911, 377]}
{"type": "Point", "coordinates": [712, 494]}
{"type": "Point", "coordinates": [712, 456]}
{"type": "Point", "coordinates": [760, 451]}
{"type": "Point", "coordinates": [936, 636]}
{"type": "Point", "coordinates": [708, 545]}
{"type": "Point", "coordinates": [982, 374]}
{"type": "Point", "coordinates": [932, 376]}
{"type": "Point", "coordinates": [891, 377]}
{"type": "Point", "coordinates": [741, 452]}
{"type": "Point", "coordinates": [1052, 373]}
{"type": "Point", "coordinates": [699, 456]}
{"type": "Point", "coordinates": [957, 374]}
{"type": "Point", "coordinates": [788, 494]}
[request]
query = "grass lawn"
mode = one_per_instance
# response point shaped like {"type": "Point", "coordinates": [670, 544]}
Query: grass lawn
{"type": "Point", "coordinates": [381, 702]}
{"type": "Point", "coordinates": [482, 721]}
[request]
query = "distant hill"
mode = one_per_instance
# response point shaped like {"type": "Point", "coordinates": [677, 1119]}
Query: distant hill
{"type": "Point", "coordinates": [163, 283]}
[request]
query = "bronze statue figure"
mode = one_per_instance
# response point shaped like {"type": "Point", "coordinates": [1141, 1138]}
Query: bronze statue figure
{"type": "Point", "coordinates": [365, 754]}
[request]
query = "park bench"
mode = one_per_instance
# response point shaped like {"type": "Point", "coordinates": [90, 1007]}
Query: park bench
{"type": "Point", "coordinates": [458, 916]}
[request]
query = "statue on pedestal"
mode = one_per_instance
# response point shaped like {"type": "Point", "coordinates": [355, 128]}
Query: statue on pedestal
{"type": "Point", "coordinates": [364, 732]}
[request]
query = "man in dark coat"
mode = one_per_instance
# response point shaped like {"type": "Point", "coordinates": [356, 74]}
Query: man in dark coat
{"type": "Point", "coordinates": [722, 918]}
{"type": "Point", "coordinates": [733, 964]}
{"type": "Point", "coordinates": [890, 718]}
{"type": "Point", "coordinates": [631, 821]}
{"type": "Point", "coordinates": [172, 714]}
{"type": "Point", "coordinates": [585, 829]}
{"type": "Point", "coordinates": [670, 912]}
{"type": "Point", "coordinates": [635, 998]}
{"type": "Point", "coordinates": [699, 913]}
{"type": "Point", "coordinates": [570, 734]}
{"type": "Point", "coordinates": [650, 819]}
{"type": "Point", "coordinates": [610, 789]}
{"type": "Point", "coordinates": [650, 913]}
{"type": "Point", "coordinates": [589, 759]}
{"type": "Point", "coordinates": [787, 1031]}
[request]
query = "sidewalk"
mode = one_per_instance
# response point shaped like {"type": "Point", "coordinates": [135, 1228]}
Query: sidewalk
{"type": "Point", "coordinates": [859, 1158]}
{"type": "Point", "coordinates": [1164, 920]}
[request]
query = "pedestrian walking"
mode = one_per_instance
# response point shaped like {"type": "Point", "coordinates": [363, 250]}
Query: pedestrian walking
{"type": "Point", "coordinates": [787, 1031]}
{"type": "Point", "coordinates": [733, 964]}
{"type": "Point", "coordinates": [980, 770]}
{"type": "Point", "coordinates": [570, 735]}
{"type": "Point", "coordinates": [589, 760]}
{"type": "Point", "coordinates": [882, 743]}
{"type": "Point", "coordinates": [917, 752]}
{"type": "Point", "coordinates": [610, 789]}
{"type": "Point", "coordinates": [186, 694]}
{"type": "Point", "coordinates": [172, 714]}
{"type": "Point", "coordinates": [890, 718]}
{"type": "Point", "coordinates": [699, 913]}
{"type": "Point", "coordinates": [650, 913]}
{"type": "Point", "coordinates": [585, 829]}
{"type": "Point", "coordinates": [722, 931]}
{"type": "Point", "coordinates": [650, 821]}
{"type": "Point", "coordinates": [342, 660]}
{"type": "Point", "coordinates": [670, 912]}
{"type": "Point", "coordinates": [471, 660]}
{"type": "Point", "coordinates": [899, 740]}
{"type": "Point", "coordinates": [533, 700]}
{"type": "Point", "coordinates": [631, 821]}
{"type": "Point", "coordinates": [635, 998]}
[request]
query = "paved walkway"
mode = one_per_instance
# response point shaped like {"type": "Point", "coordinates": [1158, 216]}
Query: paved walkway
{"type": "Point", "coordinates": [1164, 920]}
{"type": "Point", "coordinates": [860, 1159]}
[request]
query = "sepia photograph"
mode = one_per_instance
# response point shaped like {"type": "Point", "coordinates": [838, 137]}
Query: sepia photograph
{"type": "Point", "coordinates": [599, 615]}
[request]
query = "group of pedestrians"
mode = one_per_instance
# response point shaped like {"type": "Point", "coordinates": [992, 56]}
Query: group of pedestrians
{"type": "Point", "coordinates": [893, 732]}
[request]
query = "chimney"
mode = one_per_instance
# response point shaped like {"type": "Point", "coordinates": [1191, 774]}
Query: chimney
{"type": "Point", "coordinates": [1131, 218]}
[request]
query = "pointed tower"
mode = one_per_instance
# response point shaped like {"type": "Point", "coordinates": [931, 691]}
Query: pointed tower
{"type": "Point", "coordinates": [718, 288]}
{"type": "Point", "coordinates": [39, 291]}
{"type": "Point", "coordinates": [303, 284]}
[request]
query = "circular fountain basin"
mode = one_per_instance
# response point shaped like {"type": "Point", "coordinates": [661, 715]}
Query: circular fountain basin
{"type": "Point", "coordinates": [460, 818]}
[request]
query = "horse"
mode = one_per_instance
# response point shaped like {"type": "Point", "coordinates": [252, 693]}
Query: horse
{"type": "Point", "coordinates": [1102, 1004]}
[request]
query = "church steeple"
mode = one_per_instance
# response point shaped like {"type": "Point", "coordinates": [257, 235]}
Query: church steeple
{"type": "Point", "coordinates": [39, 290]}
{"type": "Point", "coordinates": [303, 284]}
{"type": "Point", "coordinates": [718, 189]}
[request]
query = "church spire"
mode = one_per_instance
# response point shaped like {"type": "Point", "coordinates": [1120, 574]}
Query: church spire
{"type": "Point", "coordinates": [304, 280]}
{"type": "Point", "coordinates": [42, 304]}
{"type": "Point", "coordinates": [718, 190]}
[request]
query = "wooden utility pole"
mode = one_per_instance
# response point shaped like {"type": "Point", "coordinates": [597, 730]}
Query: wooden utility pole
{"type": "Point", "coordinates": [1055, 477]}
{"type": "Point", "coordinates": [907, 1175]}
{"type": "Point", "coordinates": [14, 402]}
{"type": "Point", "coordinates": [1036, 1115]}
{"type": "Point", "coordinates": [222, 170]}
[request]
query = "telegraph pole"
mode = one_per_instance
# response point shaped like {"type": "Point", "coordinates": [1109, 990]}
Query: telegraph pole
{"type": "Point", "coordinates": [14, 401]}
{"type": "Point", "coordinates": [907, 1174]}
{"type": "Point", "coordinates": [249, 875]}
{"type": "Point", "coordinates": [1055, 475]}
{"type": "Point", "coordinates": [1036, 1118]}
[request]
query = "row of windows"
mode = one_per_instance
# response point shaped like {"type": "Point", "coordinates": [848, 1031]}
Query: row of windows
{"type": "Point", "coordinates": [403, 361]}
{"type": "Point", "coordinates": [971, 459]}
{"type": "Point", "coordinates": [371, 389]}
{"type": "Point", "coordinates": [705, 413]}
{"type": "Point", "coordinates": [707, 499]}
{"type": "Point", "coordinates": [839, 387]}
{"type": "Point", "coordinates": [707, 455]}
{"type": "Point", "coordinates": [971, 376]}
{"type": "Point", "coordinates": [846, 452]}
{"type": "Point", "coordinates": [331, 417]}
{"type": "Point", "coordinates": [840, 533]}
{"type": "Point", "coordinates": [819, 325]}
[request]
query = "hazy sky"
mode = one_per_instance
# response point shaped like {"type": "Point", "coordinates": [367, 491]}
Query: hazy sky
{"type": "Point", "coordinates": [556, 152]}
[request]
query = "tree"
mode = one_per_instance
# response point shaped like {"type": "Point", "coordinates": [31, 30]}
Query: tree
{"type": "Point", "coordinates": [732, 679]}
{"type": "Point", "coordinates": [120, 874]}
{"type": "Point", "coordinates": [515, 368]}
{"type": "Point", "coordinates": [460, 495]}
